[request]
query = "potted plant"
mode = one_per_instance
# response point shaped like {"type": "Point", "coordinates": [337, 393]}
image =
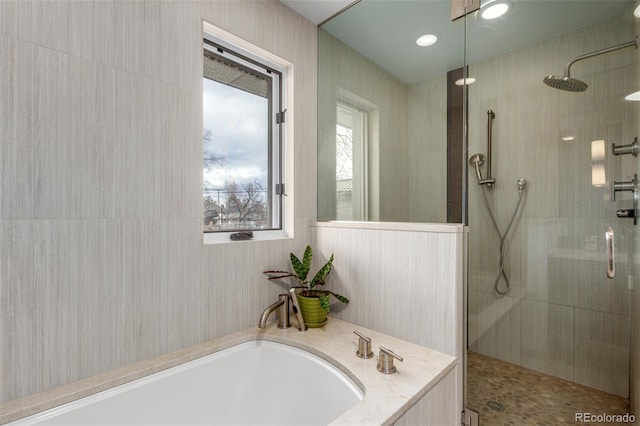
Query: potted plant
{"type": "Point", "coordinates": [313, 299]}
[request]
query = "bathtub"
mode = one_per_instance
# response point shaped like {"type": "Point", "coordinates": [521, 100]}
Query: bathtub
{"type": "Point", "coordinates": [254, 383]}
{"type": "Point", "coordinates": [258, 376]}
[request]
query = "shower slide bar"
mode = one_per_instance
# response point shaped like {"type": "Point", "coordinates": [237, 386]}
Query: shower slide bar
{"type": "Point", "coordinates": [490, 116]}
{"type": "Point", "coordinates": [477, 160]}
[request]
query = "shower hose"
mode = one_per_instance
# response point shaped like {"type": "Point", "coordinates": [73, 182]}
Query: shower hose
{"type": "Point", "coordinates": [502, 237]}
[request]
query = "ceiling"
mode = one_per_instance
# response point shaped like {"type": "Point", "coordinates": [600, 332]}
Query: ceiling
{"type": "Point", "coordinates": [318, 11]}
{"type": "Point", "coordinates": [385, 30]}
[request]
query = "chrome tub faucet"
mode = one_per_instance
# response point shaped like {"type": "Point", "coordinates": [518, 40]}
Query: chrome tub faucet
{"type": "Point", "coordinates": [282, 305]}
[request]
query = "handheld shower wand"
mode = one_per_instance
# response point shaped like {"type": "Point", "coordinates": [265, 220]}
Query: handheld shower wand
{"type": "Point", "coordinates": [503, 237]}
{"type": "Point", "coordinates": [477, 160]}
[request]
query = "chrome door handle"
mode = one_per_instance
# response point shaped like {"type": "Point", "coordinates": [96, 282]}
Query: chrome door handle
{"type": "Point", "coordinates": [611, 262]}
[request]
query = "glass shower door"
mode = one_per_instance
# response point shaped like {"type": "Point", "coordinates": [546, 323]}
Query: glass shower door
{"type": "Point", "coordinates": [561, 320]}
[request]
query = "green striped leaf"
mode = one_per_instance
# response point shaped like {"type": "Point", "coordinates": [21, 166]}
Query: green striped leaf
{"type": "Point", "coordinates": [324, 302]}
{"type": "Point", "coordinates": [319, 278]}
{"type": "Point", "coordinates": [339, 297]}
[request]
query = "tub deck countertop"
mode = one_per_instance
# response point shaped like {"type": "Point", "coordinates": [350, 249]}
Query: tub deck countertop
{"type": "Point", "coordinates": [387, 397]}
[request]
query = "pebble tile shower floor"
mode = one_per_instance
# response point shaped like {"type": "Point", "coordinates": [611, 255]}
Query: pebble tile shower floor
{"type": "Point", "coordinates": [507, 394]}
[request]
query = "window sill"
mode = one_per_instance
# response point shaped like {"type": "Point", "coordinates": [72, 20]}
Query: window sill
{"type": "Point", "coordinates": [224, 237]}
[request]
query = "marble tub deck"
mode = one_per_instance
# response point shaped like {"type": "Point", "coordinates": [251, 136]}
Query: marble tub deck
{"type": "Point", "coordinates": [387, 397]}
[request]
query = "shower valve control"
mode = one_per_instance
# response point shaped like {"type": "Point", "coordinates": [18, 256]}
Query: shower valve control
{"type": "Point", "coordinates": [630, 186]}
{"type": "Point", "coordinates": [619, 186]}
{"type": "Point", "coordinates": [626, 213]}
{"type": "Point", "coordinates": [633, 148]}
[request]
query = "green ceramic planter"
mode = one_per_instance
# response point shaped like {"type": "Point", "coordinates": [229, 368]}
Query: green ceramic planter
{"type": "Point", "coordinates": [312, 313]}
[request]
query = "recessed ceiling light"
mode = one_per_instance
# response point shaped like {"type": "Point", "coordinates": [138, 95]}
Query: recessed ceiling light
{"type": "Point", "coordinates": [495, 8]}
{"type": "Point", "coordinates": [633, 96]}
{"type": "Point", "coordinates": [636, 12]}
{"type": "Point", "coordinates": [465, 81]}
{"type": "Point", "coordinates": [426, 40]}
{"type": "Point", "coordinates": [568, 138]}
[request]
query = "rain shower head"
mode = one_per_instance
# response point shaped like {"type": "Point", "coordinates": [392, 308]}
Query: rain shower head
{"type": "Point", "coordinates": [565, 83]}
{"type": "Point", "coordinates": [569, 84]}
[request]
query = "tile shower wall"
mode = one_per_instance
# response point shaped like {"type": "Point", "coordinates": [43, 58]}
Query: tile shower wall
{"type": "Point", "coordinates": [634, 312]}
{"type": "Point", "coordinates": [562, 315]}
{"type": "Point", "coordinates": [102, 261]}
{"type": "Point", "coordinates": [428, 147]}
{"type": "Point", "coordinates": [634, 364]}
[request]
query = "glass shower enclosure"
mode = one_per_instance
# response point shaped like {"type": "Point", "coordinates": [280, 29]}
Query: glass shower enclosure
{"type": "Point", "coordinates": [543, 300]}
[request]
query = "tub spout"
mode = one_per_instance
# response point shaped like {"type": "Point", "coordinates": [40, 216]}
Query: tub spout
{"type": "Point", "coordinates": [282, 305]}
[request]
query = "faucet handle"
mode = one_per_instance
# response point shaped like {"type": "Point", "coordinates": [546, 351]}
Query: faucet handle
{"type": "Point", "coordinates": [364, 346]}
{"type": "Point", "coordinates": [385, 360]}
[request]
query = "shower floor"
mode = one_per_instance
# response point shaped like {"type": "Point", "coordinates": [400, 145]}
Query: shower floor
{"type": "Point", "coordinates": [507, 394]}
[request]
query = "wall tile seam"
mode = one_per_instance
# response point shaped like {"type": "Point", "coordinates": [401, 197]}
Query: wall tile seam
{"type": "Point", "coordinates": [101, 63]}
{"type": "Point", "coordinates": [525, 298]}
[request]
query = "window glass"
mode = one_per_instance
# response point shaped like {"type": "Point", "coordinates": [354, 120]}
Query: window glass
{"type": "Point", "coordinates": [351, 133]}
{"type": "Point", "coordinates": [241, 142]}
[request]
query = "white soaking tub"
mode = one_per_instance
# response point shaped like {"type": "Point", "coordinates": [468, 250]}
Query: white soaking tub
{"type": "Point", "coordinates": [255, 376]}
{"type": "Point", "coordinates": [254, 383]}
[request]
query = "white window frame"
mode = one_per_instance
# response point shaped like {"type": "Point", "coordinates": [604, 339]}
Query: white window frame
{"type": "Point", "coordinates": [359, 158]}
{"type": "Point", "coordinates": [285, 167]}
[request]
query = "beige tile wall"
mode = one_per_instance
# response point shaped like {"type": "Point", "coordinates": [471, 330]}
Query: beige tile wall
{"type": "Point", "coordinates": [405, 281]}
{"type": "Point", "coordinates": [102, 261]}
{"type": "Point", "coordinates": [428, 147]}
{"type": "Point", "coordinates": [436, 408]}
{"type": "Point", "coordinates": [634, 331]}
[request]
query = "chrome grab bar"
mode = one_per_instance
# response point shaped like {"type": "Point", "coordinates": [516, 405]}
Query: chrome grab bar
{"type": "Point", "coordinates": [610, 256]}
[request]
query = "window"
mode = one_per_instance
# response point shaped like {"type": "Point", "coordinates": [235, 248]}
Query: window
{"type": "Point", "coordinates": [242, 140]}
{"type": "Point", "coordinates": [351, 182]}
